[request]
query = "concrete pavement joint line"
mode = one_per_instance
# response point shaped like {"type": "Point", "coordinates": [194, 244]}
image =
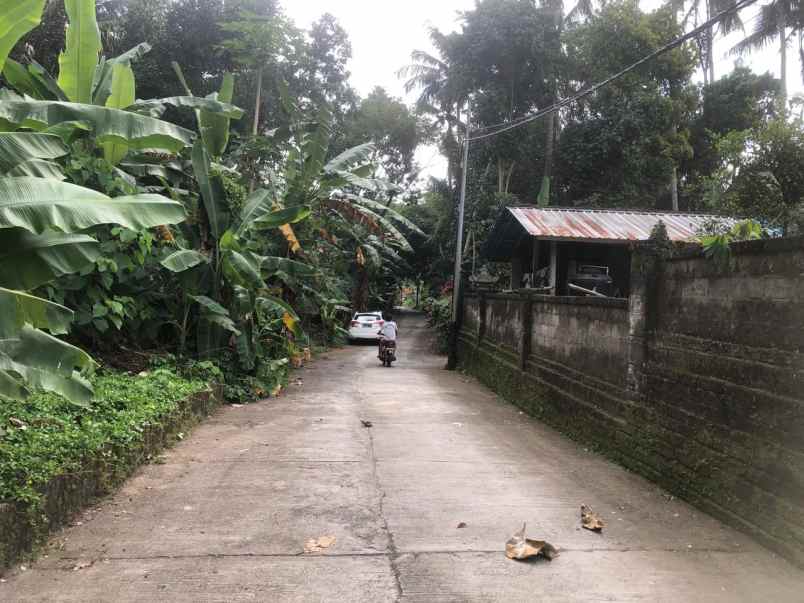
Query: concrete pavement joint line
{"type": "Point", "coordinates": [384, 554]}
{"type": "Point", "coordinates": [393, 553]}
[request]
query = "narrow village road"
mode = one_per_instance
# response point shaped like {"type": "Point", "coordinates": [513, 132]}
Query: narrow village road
{"type": "Point", "coordinates": [226, 516]}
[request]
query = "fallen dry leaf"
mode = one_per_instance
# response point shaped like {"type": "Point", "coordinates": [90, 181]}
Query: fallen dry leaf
{"type": "Point", "coordinates": [366, 423]}
{"type": "Point", "coordinates": [519, 547]}
{"type": "Point", "coordinates": [19, 424]}
{"type": "Point", "coordinates": [461, 525]}
{"type": "Point", "coordinates": [316, 545]}
{"type": "Point", "coordinates": [590, 520]}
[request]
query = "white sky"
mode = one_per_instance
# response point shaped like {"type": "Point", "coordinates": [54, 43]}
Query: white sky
{"type": "Point", "coordinates": [384, 32]}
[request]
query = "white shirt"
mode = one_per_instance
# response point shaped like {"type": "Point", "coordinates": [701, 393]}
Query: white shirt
{"type": "Point", "coordinates": [388, 331]}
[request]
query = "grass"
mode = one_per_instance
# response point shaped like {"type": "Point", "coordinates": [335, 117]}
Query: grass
{"type": "Point", "coordinates": [46, 436]}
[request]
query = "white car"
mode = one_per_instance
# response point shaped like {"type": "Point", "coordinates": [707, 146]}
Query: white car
{"type": "Point", "coordinates": [365, 326]}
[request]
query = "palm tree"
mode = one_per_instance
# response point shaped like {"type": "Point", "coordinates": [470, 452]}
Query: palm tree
{"type": "Point", "coordinates": [696, 12]}
{"type": "Point", "coordinates": [440, 92]}
{"type": "Point", "coordinates": [772, 25]}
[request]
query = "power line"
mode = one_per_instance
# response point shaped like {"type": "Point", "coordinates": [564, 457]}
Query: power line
{"type": "Point", "coordinates": [595, 87]}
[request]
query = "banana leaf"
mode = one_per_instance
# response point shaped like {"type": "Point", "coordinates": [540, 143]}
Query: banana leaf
{"type": "Point", "coordinates": [82, 50]}
{"type": "Point", "coordinates": [38, 204]}
{"type": "Point", "coordinates": [19, 78]}
{"type": "Point", "coordinates": [19, 147]}
{"type": "Point", "coordinates": [279, 217]}
{"type": "Point", "coordinates": [38, 168]}
{"type": "Point", "coordinates": [346, 160]}
{"type": "Point", "coordinates": [212, 191]}
{"type": "Point", "coordinates": [215, 128]}
{"type": "Point", "coordinates": [108, 125]}
{"type": "Point", "coordinates": [122, 95]}
{"type": "Point", "coordinates": [28, 261]}
{"type": "Point", "coordinates": [17, 18]}
{"type": "Point", "coordinates": [104, 72]}
{"type": "Point", "coordinates": [191, 102]}
{"type": "Point", "coordinates": [239, 270]}
{"type": "Point", "coordinates": [45, 362]}
{"type": "Point", "coordinates": [184, 259]}
{"type": "Point", "coordinates": [18, 308]}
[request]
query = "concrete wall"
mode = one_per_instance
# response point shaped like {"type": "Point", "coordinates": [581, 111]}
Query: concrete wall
{"type": "Point", "coordinates": [696, 382]}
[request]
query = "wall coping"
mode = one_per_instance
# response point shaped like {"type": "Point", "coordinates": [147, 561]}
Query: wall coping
{"type": "Point", "coordinates": [561, 300]}
{"type": "Point", "coordinates": [685, 251]}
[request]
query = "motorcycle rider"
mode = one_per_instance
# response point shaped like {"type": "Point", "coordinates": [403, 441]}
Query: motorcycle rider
{"type": "Point", "coordinates": [387, 333]}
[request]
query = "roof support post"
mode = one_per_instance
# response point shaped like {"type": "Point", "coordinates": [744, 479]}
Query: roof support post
{"type": "Point", "coordinates": [553, 266]}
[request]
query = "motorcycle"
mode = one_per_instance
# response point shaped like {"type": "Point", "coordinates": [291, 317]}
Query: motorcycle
{"type": "Point", "coordinates": [387, 353]}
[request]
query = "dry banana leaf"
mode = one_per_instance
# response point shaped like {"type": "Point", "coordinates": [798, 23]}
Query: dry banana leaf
{"type": "Point", "coordinates": [316, 545]}
{"type": "Point", "coordinates": [590, 520]}
{"type": "Point", "coordinates": [519, 547]}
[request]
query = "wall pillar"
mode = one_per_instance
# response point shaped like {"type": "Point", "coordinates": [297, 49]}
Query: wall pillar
{"type": "Point", "coordinates": [481, 323]}
{"type": "Point", "coordinates": [642, 312]}
{"type": "Point", "coordinates": [527, 328]}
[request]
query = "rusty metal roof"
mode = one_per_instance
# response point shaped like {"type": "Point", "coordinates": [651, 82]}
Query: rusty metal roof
{"type": "Point", "coordinates": [591, 225]}
{"type": "Point", "coordinates": [605, 224]}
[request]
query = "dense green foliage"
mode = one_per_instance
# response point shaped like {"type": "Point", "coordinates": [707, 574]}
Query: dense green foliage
{"type": "Point", "coordinates": [46, 436]}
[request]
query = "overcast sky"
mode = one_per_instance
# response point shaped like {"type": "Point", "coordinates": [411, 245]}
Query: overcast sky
{"type": "Point", "coordinates": [384, 32]}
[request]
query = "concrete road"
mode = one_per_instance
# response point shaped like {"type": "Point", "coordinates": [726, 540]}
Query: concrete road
{"type": "Point", "coordinates": [227, 514]}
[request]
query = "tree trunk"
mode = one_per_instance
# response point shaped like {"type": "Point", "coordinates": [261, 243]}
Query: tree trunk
{"type": "Point", "coordinates": [674, 188]}
{"type": "Point", "coordinates": [549, 152]}
{"type": "Point", "coordinates": [710, 35]}
{"type": "Point", "coordinates": [783, 51]}
{"type": "Point", "coordinates": [256, 126]}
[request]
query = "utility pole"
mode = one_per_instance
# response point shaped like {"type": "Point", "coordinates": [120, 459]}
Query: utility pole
{"type": "Point", "coordinates": [452, 359]}
{"type": "Point", "coordinates": [456, 289]}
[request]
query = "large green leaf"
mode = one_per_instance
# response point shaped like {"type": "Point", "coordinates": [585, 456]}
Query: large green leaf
{"type": "Point", "coordinates": [108, 125]}
{"type": "Point", "coordinates": [37, 205]}
{"type": "Point", "coordinates": [122, 95]}
{"type": "Point", "coordinates": [11, 387]}
{"type": "Point", "coordinates": [184, 259]}
{"type": "Point", "coordinates": [29, 260]}
{"type": "Point", "coordinates": [274, 303]}
{"type": "Point", "coordinates": [38, 168]}
{"type": "Point", "coordinates": [291, 267]}
{"type": "Point", "coordinates": [23, 82]}
{"type": "Point", "coordinates": [82, 50]}
{"type": "Point", "coordinates": [104, 72]}
{"type": "Point", "coordinates": [18, 308]}
{"type": "Point", "coordinates": [240, 270]}
{"type": "Point", "coordinates": [212, 191]}
{"type": "Point", "coordinates": [350, 158]}
{"type": "Point", "coordinates": [214, 127]}
{"type": "Point", "coordinates": [280, 217]}
{"type": "Point", "coordinates": [18, 147]}
{"type": "Point", "coordinates": [215, 313]}
{"type": "Point", "coordinates": [191, 102]}
{"type": "Point", "coordinates": [46, 362]}
{"type": "Point", "coordinates": [41, 75]}
{"type": "Point", "coordinates": [17, 18]}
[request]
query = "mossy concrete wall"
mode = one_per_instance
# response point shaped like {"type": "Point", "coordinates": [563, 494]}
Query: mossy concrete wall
{"type": "Point", "coordinates": [22, 527]}
{"type": "Point", "coordinates": [696, 381]}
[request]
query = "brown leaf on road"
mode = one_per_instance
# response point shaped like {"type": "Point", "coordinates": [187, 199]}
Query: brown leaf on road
{"type": "Point", "coordinates": [316, 545]}
{"type": "Point", "coordinates": [590, 520]}
{"type": "Point", "coordinates": [519, 547]}
{"type": "Point", "coordinates": [462, 525]}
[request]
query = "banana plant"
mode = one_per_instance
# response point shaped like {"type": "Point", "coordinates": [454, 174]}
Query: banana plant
{"type": "Point", "coordinates": [42, 236]}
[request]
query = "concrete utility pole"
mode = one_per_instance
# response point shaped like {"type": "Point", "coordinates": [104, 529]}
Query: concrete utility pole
{"type": "Point", "coordinates": [452, 357]}
{"type": "Point", "coordinates": [456, 289]}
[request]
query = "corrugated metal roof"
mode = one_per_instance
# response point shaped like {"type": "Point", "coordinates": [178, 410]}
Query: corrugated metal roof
{"type": "Point", "coordinates": [605, 224]}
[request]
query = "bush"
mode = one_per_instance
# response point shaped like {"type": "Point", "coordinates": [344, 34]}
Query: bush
{"type": "Point", "coordinates": [439, 318]}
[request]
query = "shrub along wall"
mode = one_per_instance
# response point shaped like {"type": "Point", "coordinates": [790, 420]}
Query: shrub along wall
{"type": "Point", "coordinates": [696, 381]}
{"type": "Point", "coordinates": [56, 458]}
